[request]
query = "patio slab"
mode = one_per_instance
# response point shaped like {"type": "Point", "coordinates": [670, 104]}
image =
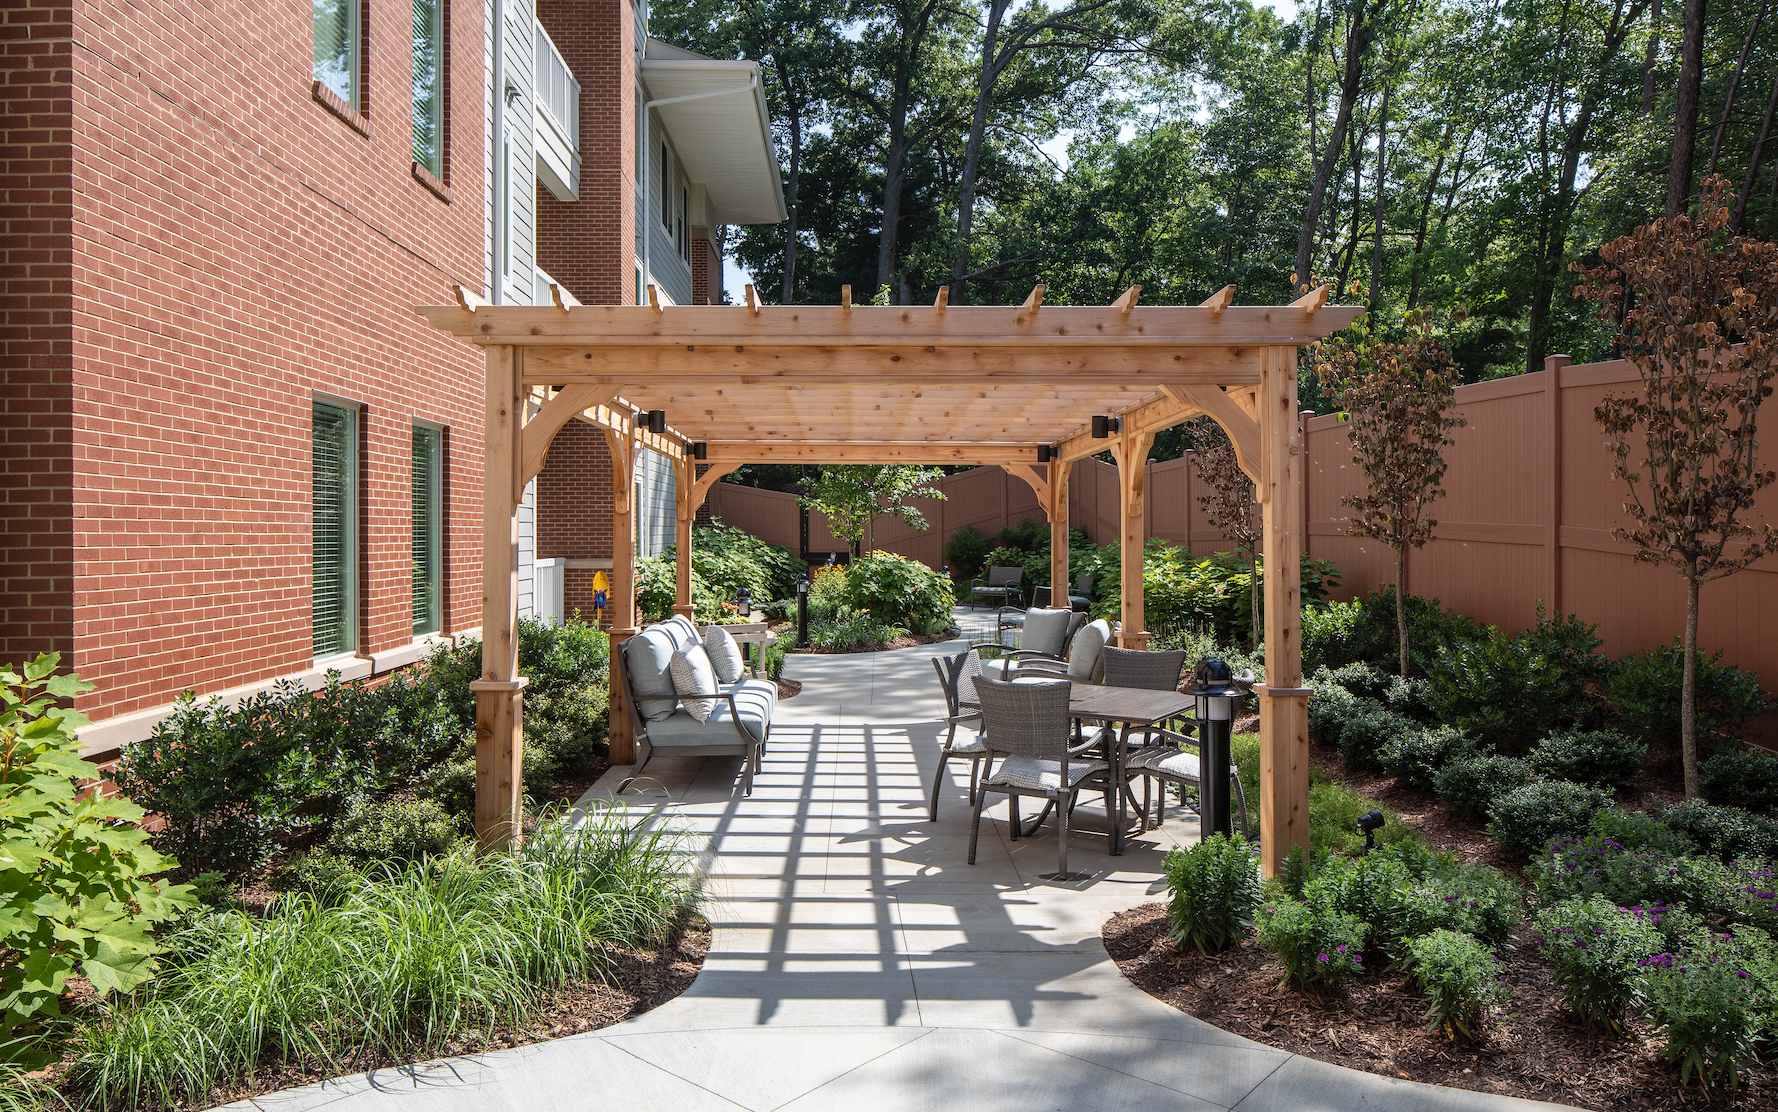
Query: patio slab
{"type": "Point", "coordinates": [859, 962]}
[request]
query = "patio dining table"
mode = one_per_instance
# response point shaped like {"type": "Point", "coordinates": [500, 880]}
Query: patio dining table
{"type": "Point", "coordinates": [1137, 708]}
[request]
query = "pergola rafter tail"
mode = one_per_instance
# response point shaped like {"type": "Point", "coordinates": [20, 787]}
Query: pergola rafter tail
{"type": "Point", "coordinates": [941, 384]}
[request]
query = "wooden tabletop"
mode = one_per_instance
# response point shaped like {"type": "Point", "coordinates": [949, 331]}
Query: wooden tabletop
{"type": "Point", "coordinates": [1136, 705]}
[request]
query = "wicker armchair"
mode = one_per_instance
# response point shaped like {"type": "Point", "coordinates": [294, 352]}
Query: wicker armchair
{"type": "Point", "coordinates": [1156, 671]}
{"type": "Point", "coordinates": [1028, 725]}
{"type": "Point", "coordinates": [1170, 763]}
{"type": "Point", "coordinates": [957, 675]}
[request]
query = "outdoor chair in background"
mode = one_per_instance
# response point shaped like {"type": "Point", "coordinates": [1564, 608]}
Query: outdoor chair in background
{"type": "Point", "coordinates": [1043, 634]}
{"type": "Point", "coordinates": [957, 675]}
{"type": "Point", "coordinates": [1168, 762]}
{"type": "Point", "coordinates": [1151, 671]}
{"type": "Point", "coordinates": [1001, 588]}
{"type": "Point", "coordinates": [1082, 596]}
{"type": "Point", "coordinates": [1028, 725]}
{"type": "Point", "coordinates": [1086, 656]}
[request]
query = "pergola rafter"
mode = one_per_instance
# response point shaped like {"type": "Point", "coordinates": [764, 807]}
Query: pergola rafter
{"type": "Point", "coordinates": [940, 384]}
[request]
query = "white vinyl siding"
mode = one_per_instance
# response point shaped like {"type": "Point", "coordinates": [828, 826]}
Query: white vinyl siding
{"type": "Point", "coordinates": [670, 232]}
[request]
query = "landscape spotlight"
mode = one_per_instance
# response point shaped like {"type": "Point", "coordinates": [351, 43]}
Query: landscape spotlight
{"type": "Point", "coordinates": [1368, 824]}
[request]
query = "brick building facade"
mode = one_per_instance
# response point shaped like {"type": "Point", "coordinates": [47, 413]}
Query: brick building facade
{"type": "Point", "coordinates": [199, 245]}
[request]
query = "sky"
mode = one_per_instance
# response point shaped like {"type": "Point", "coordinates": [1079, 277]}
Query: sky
{"type": "Point", "coordinates": [735, 278]}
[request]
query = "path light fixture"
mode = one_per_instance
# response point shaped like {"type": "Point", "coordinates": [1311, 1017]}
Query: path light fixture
{"type": "Point", "coordinates": [657, 421]}
{"type": "Point", "coordinates": [744, 602]}
{"type": "Point", "coordinates": [1368, 824]}
{"type": "Point", "coordinates": [1104, 426]}
{"type": "Point", "coordinates": [1216, 688]}
{"type": "Point", "coordinates": [802, 609]}
{"type": "Point", "coordinates": [700, 450]}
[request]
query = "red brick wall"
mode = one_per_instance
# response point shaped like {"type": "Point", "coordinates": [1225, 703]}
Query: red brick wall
{"type": "Point", "coordinates": [589, 245]}
{"type": "Point", "coordinates": [36, 331]}
{"type": "Point", "coordinates": [706, 273]}
{"type": "Point", "coordinates": [233, 248]}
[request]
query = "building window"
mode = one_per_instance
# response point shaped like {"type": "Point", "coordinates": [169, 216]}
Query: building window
{"type": "Point", "coordinates": [337, 48]}
{"type": "Point", "coordinates": [428, 530]}
{"type": "Point", "coordinates": [335, 500]}
{"type": "Point", "coordinates": [428, 85]}
{"type": "Point", "coordinates": [505, 205]}
{"type": "Point", "coordinates": [666, 188]}
{"type": "Point", "coordinates": [684, 231]}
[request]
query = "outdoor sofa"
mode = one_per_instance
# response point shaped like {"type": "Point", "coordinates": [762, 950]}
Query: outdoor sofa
{"type": "Point", "coordinates": [740, 709]}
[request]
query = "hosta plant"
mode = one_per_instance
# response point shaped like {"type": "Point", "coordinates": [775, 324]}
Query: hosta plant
{"type": "Point", "coordinates": [76, 898]}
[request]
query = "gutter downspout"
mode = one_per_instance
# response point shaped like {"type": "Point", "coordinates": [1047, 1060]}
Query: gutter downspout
{"type": "Point", "coordinates": [648, 161]}
{"type": "Point", "coordinates": [496, 162]}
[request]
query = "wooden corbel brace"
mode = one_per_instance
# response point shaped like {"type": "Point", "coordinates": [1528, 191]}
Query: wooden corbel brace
{"type": "Point", "coordinates": [1313, 300]}
{"type": "Point", "coordinates": [563, 299]}
{"type": "Point", "coordinates": [540, 431]}
{"type": "Point", "coordinates": [468, 301]}
{"type": "Point", "coordinates": [1242, 426]}
{"type": "Point", "coordinates": [700, 488]}
{"type": "Point", "coordinates": [1127, 300]}
{"type": "Point", "coordinates": [623, 463]}
{"type": "Point", "coordinates": [1219, 301]}
{"type": "Point", "coordinates": [1033, 302]}
{"type": "Point", "coordinates": [1036, 480]}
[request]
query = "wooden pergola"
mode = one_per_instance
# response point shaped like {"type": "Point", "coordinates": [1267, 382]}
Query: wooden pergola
{"type": "Point", "coordinates": [938, 384]}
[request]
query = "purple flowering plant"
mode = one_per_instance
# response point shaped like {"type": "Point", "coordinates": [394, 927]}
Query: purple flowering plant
{"type": "Point", "coordinates": [1594, 948]}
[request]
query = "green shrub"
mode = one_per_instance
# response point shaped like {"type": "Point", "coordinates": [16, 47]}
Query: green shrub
{"type": "Point", "coordinates": [1410, 697]}
{"type": "Point", "coordinates": [1638, 830]}
{"type": "Point", "coordinates": [1478, 901]}
{"type": "Point", "coordinates": [966, 553]}
{"type": "Point", "coordinates": [771, 659]}
{"type": "Point", "coordinates": [1603, 758]}
{"type": "Point", "coordinates": [319, 873]}
{"type": "Point", "coordinates": [849, 630]}
{"type": "Point", "coordinates": [1317, 944]}
{"type": "Point", "coordinates": [1417, 757]}
{"type": "Point", "coordinates": [1713, 1002]}
{"type": "Point", "coordinates": [1578, 868]}
{"type": "Point", "coordinates": [1595, 950]}
{"type": "Point", "coordinates": [1461, 980]}
{"type": "Point", "coordinates": [1215, 889]}
{"type": "Point", "coordinates": [1473, 781]}
{"type": "Point", "coordinates": [1368, 733]}
{"type": "Point", "coordinates": [76, 894]}
{"type": "Point", "coordinates": [1295, 872]}
{"type": "Point", "coordinates": [1329, 707]}
{"type": "Point", "coordinates": [1364, 630]}
{"type": "Point", "coordinates": [395, 831]}
{"type": "Point", "coordinates": [1526, 818]}
{"type": "Point", "coordinates": [894, 590]}
{"type": "Point", "coordinates": [1505, 691]}
{"type": "Point", "coordinates": [1728, 832]}
{"type": "Point", "coordinates": [1740, 778]}
{"type": "Point", "coordinates": [1364, 680]}
{"type": "Point", "coordinates": [728, 559]}
{"type": "Point", "coordinates": [396, 967]}
{"type": "Point", "coordinates": [1646, 688]}
{"type": "Point", "coordinates": [566, 730]}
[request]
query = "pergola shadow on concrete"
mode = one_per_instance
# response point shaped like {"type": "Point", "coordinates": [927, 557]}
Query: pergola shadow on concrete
{"type": "Point", "coordinates": [1012, 386]}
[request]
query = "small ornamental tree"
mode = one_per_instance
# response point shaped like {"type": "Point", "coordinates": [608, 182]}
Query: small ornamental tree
{"type": "Point", "coordinates": [850, 494]}
{"type": "Point", "coordinates": [1697, 313]}
{"type": "Point", "coordinates": [1230, 503]}
{"type": "Point", "coordinates": [1397, 399]}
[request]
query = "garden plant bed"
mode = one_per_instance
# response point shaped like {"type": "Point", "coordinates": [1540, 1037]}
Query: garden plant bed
{"type": "Point", "coordinates": [903, 642]}
{"type": "Point", "coordinates": [640, 980]}
{"type": "Point", "coordinates": [1376, 1023]}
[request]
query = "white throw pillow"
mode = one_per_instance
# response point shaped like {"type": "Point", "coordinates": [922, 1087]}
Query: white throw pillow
{"type": "Point", "coordinates": [692, 675]}
{"type": "Point", "coordinates": [725, 654]}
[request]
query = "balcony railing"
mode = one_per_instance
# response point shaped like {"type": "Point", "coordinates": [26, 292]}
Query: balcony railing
{"type": "Point", "coordinates": [558, 120]}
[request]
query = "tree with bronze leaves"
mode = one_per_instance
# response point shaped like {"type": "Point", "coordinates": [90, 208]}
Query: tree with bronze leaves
{"type": "Point", "coordinates": [1700, 325]}
{"type": "Point", "coordinates": [1397, 399]}
{"type": "Point", "coordinates": [1230, 503]}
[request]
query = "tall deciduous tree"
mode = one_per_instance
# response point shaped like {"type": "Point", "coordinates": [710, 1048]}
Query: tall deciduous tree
{"type": "Point", "coordinates": [1357, 46]}
{"type": "Point", "coordinates": [851, 494]}
{"type": "Point", "coordinates": [1702, 329]}
{"type": "Point", "coordinates": [1685, 114]}
{"type": "Point", "coordinates": [1398, 399]}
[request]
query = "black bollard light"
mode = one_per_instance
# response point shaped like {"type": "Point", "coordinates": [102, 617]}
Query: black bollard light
{"type": "Point", "coordinates": [1216, 688]}
{"type": "Point", "coordinates": [802, 610]}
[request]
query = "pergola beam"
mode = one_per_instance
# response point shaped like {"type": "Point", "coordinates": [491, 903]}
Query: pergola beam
{"type": "Point", "coordinates": [735, 452]}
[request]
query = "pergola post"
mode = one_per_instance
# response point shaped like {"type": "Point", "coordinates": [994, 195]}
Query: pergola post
{"type": "Point", "coordinates": [684, 482]}
{"type": "Point", "coordinates": [499, 693]}
{"type": "Point", "coordinates": [1058, 511]}
{"type": "Point", "coordinates": [622, 736]}
{"type": "Point", "coordinates": [1283, 701]}
{"type": "Point", "coordinates": [1131, 452]}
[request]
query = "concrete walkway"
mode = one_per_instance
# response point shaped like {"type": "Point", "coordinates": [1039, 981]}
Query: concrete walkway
{"type": "Point", "coordinates": [859, 964]}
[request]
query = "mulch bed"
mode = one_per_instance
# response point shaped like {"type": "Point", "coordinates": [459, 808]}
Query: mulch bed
{"type": "Point", "coordinates": [640, 980]}
{"type": "Point", "coordinates": [1533, 1048]}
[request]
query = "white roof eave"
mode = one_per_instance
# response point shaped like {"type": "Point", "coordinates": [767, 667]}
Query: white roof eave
{"type": "Point", "coordinates": [724, 141]}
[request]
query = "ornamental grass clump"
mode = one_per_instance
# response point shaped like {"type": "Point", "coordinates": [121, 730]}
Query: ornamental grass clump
{"type": "Point", "coordinates": [1317, 944]}
{"type": "Point", "coordinates": [391, 966]}
{"type": "Point", "coordinates": [1215, 890]}
{"type": "Point", "coordinates": [1461, 979]}
{"type": "Point", "coordinates": [1714, 1002]}
{"type": "Point", "coordinates": [1595, 950]}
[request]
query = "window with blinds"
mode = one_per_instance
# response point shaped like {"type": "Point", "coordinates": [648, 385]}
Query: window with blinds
{"type": "Point", "coordinates": [428, 530]}
{"type": "Point", "coordinates": [335, 496]}
{"type": "Point", "coordinates": [429, 85]}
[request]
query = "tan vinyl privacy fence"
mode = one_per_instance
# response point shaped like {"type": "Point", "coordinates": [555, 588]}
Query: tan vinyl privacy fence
{"type": "Point", "coordinates": [1528, 517]}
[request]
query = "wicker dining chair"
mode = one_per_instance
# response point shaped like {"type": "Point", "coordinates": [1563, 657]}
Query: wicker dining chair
{"type": "Point", "coordinates": [1169, 762]}
{"type": "Point", "coordinates": [1028, 724]}
{"type": "Point", "coordinates": [957, 675]}
{"type": "Point", "coordinates": [1152, 671]}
